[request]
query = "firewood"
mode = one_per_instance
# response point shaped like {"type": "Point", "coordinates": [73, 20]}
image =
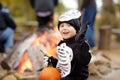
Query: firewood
{"type": "Point", "coordinates": [12, 61]}
{"type": "Point", "coordinates": [3, 73]}
{"type": "Point", "coordinates": [27, 76]}
{"type": "Point", "coordinates": [10, 77]}
{"type": "Point", "coordinates": [36, 55]}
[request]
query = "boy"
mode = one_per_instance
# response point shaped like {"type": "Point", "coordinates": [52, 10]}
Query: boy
{"type": "Point", "coordinates": [73, 53]}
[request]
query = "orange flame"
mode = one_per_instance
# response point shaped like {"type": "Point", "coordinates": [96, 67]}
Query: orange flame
{"type": "Point", "coordinates": [25, 64]}
{"type": "Point", "coordinates": [49, 41]}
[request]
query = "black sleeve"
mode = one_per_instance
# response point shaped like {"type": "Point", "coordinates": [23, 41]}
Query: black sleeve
{"type": "Point", "coordinates": [9, 21]}
{"type": "Point", "coordinates": [82, 53]}
{"type": "Point", "coordinates": [55, 2]}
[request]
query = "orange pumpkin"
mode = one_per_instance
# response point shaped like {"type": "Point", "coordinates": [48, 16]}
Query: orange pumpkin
{"type": "Point", "coordinates": [49, 73]}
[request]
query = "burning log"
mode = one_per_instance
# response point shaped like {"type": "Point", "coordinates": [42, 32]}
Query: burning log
{"type": "Point", "coordinates": [36, 55]}
{"type": "Point", "coordinates": [34, 52]}
{"type": "Point", "coordinates": [28, 56]}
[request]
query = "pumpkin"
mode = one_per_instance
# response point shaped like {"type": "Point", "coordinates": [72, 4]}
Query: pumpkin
{"type": "Point", "coordinates": [49, 73]}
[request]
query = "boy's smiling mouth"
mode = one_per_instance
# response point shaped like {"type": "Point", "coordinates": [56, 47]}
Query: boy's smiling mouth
{"type": "Point", "coordinates": [66, 32]}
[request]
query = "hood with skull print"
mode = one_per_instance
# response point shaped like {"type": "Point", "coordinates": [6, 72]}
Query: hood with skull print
{"type": "Point", "coordinates": [71, 17]}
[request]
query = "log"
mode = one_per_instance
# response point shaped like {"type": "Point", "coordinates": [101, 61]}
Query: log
{"type": "Point", "coordinates": [3, 73]}
{"type": "Point", "coordinates": [27, 76]}
{"type": "Point", "coordinates": [12, 61]}
{"type": "Point", "coordinates": [117, 34]}
{"type": "Point", "coordinates": [10, 77]}
{"type": "Point", "coordinates": [35, 52]}
{"type": "Point", "coordinates": [13, 75]}
{"type": "Point", "coordinates": [36, 55]}
{"type": "Point", "coordinates": [30, 76]}
{"type": "Point", "coordinates": [104, 38]}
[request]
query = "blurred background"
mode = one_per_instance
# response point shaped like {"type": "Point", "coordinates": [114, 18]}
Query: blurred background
{"type": "Point", "coordinates": [107, 26]}
{"type": "Point", "coordinates": [22, 10]}
{"type": "Point", "coordinates": [108, 12]}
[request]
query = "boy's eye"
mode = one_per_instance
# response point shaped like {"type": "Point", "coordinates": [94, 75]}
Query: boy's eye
{"type": "Point", "coordinates": [65, 25]}
{"type": "Point", "coordinates": [61, 25]}
{"type": "Point", "coordinates": [68, 24]}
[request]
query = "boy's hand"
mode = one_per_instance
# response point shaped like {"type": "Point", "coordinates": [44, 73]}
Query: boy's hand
{"type": "Point", "coordinates": [50, 61]}
{"type": "Point", "coordinates": [65, 55]}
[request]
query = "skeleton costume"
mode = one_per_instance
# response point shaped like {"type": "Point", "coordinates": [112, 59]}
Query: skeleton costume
{"type": "Point", "coordinates": [73, 55]}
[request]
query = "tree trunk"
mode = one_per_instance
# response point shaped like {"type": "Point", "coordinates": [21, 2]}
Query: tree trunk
{"type": "Point", "coordinates": [109, 13]}
{"type": "Point", "coordinates": [104, 39]}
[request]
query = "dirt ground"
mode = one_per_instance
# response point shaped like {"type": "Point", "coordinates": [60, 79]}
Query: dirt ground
{"type": "Point", "coordinates": [115, 74]}
{"type": "Point", "coordinates": [114, 55]}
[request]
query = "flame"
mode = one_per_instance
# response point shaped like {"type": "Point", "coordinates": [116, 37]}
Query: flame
{"type": "Point", "coordinates": [25, 64]}
{"type": "Point", "coordinates": [49, 41]}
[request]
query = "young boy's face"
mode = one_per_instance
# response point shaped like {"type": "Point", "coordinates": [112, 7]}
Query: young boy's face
{"type": "Point", "coordinates": [66, 30]}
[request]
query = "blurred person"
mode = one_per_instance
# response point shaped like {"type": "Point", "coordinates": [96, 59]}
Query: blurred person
{"type": "Point", "coordinates": [89, 10]}
{"type": "Point", "coordinates": [7, 28]}
{"type": "Point", "coordinates": [44, 11]}
{"type": "Point", "coordinates": [5, 9]}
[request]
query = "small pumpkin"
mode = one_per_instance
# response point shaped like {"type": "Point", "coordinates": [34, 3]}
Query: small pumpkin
{"type": "Point", "coordinates": [49, 73]}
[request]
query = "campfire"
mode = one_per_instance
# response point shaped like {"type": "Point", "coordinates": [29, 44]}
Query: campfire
{"type": "Point", "coordinates": [25, 64]}
{"type": "Point", "coordinates": [28, 57]}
